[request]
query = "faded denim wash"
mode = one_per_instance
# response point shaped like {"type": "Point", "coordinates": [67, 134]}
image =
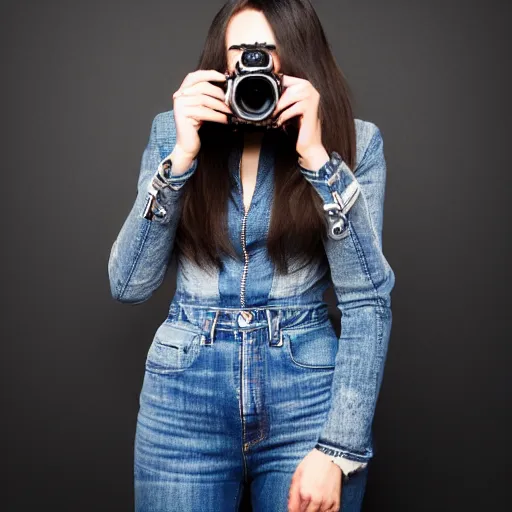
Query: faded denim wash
{"type": "Point", "coordinates": [246, 375]}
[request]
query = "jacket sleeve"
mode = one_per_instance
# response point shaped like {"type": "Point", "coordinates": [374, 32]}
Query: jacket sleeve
{"type": "Point", "coordinates": [141, 252]}
{"type": "Point", "coordinates": [363, 281]}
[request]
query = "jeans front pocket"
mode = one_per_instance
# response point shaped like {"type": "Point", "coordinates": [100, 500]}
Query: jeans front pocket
{"type": "Point", "coordinates": [313, 347]}
{"type": "Point", "coordinates": [175, 346]}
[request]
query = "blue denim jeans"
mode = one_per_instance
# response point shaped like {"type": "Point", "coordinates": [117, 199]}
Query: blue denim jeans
{"type": "Point", "coordinates": [231, 400]}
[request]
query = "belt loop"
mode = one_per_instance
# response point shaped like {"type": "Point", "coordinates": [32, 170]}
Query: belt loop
{"type": "Point", "coordinates": [277, 333]}
{"type": "Point", "coordinates": [269, 321]}
{"type": "Point", "coordinates": [207, 339]}
{"type": "Point", "coordinates": [214, 323]}
{"type": "Point", "coordinates": [274, 321]}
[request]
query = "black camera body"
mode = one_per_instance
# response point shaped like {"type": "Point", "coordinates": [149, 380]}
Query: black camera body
{"type": "Point", "coordinates": [253, 89]}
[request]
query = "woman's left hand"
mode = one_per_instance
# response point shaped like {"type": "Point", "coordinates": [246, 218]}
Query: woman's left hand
{"type": "Point", "coordinates": [301, 99]}
{"type": "Point", "coordinates": [316, 485]}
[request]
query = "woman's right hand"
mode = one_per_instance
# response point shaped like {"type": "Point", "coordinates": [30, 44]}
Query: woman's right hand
{"type": "Point", "coordinates": [196, 101]}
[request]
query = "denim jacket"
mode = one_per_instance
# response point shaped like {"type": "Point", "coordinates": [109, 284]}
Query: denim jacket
{"type": "Point", "coordinates": [361, 276]}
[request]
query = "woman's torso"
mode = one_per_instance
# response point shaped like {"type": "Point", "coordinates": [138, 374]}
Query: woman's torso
{"type": "Point", "coordinates": [252, 279]}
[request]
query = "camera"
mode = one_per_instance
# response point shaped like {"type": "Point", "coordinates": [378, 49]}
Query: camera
{"type": "Point", "coordinates": [253, 89]}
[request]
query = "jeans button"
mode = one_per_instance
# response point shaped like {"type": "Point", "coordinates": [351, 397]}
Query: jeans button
{"type": "Point", "coordinates": [244, 318]}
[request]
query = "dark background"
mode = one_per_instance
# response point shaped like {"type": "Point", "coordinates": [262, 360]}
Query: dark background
{"type": "Point", "coordinates": [81, 83]}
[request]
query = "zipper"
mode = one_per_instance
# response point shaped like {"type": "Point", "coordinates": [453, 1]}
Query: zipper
{"type": "Point", "coordinates": [242, 236]}
{"type": "Point", "coordinates": [242, 300]}
{"type": "Point", "coordinates": [244, 225]}
{"type": "Point", "coordinates": [246, 262]}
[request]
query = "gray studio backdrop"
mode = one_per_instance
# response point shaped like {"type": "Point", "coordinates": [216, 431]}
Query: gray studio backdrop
{"type": "Point", "coordinates": [81, 84]}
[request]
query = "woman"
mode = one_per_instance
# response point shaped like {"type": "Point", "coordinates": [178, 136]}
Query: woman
{"type": "Point", "coordinates": [246, 382]}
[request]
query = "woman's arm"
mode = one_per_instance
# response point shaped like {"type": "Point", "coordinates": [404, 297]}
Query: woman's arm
{"type": "Point", "coordinates": [141, 252]}
{"type": "Point", "coordinates": [362, 280]}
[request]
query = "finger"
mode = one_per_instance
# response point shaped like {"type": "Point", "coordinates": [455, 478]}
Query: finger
{"type": "Point", "coordinates": [294, 496]}
{"type": "Point", "coordinates": [288, 80]}
{"type": "Point", "coordinates": [215, 103]}
{"type": "Point", "coordinates": [289, 97]}
{"type": "Point", "coordinates": [201, 113]}
{"type": "Point", "coordinates": [203, 75]}
{"type": "Point", "coordinates": [295, 110]}
{"type": "Point", "coordinates": [202, 87]}
{"type": "Point", "coordinates": [313, 506]}
{"type": "Point", "coordinates": [194, 96]}
{"type": "Point", "coordinates": [304, 503]}
{"type": "Point", "coordinates": [205, 101]}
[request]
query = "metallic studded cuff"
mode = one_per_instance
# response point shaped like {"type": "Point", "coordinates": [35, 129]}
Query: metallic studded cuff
{"type": "Point", "coordinates": [164, 172]}
{"type": "Point", "coordinates": [338, 188]}
{"type": "Point", "coordinates": [153, 207]}
{"type": "Point", "coordinates": [337, 222]}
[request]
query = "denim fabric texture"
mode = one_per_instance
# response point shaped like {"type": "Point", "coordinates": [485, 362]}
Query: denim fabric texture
{"type": "Point", "coordinates": [246, 372]}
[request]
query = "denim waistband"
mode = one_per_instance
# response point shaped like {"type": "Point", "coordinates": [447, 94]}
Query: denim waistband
{"type": "Point", "coordinates": [274, 318]}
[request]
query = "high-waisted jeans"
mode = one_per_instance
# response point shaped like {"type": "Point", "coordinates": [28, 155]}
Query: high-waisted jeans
{"type": "Point", "coordinates": [231, 400]}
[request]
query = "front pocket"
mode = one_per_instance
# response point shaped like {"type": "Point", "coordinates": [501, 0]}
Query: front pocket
{"type": "Point", "coordinates": [312, 347]}
{"type": "Point", "coordinates": [175, 347]}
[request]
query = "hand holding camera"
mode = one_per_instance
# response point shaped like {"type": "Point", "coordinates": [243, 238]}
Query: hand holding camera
{"type": "Point", "coordinates": [248, 96]}
{"type": "Point", "coordinates": [197, 100]}
{"type": "Point", "coordinates": [254, 94]}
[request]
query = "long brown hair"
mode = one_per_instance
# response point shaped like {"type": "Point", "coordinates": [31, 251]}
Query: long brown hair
{"type": "Point", "coordinates": [297, 225]}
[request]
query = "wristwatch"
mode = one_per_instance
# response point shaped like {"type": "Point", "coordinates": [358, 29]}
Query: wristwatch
{"type": "Point", "coordinates": [347, 466]}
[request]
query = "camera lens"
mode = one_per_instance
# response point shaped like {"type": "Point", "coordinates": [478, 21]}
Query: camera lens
{"type": "Point", "coordinates": [254, 95]}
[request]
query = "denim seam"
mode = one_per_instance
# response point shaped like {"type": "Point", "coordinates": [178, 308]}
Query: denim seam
{"type": "Point", "coordinates": [353, 233]}
{"type": "Point", "coordinates": [379, 354]}
{"type": "Point", "coordinates": [254, 441]}
{"type": "Point", "coordinates": [366, 152]}
{"type": "Point", "coordinates": [237, 497]}
{"type": "Point", "coordinates": [284, 306]}
{"type": "Point", "coordinates": [301, 365]}
{"type": "Point", "coordinates": [144, 232]}
{"type": "Point", "coordinates": [380, 337]}
{"type": "Point", "coordinates": [193, 349]}
{"type": "Point", "coordinates": [364, 265]}
{"type": "Point", "coordinates": [313, 324]}
{"type": "Point", "coordinates": [116, 285]}
{"type": "Point", "coordinates": [371, 144]}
